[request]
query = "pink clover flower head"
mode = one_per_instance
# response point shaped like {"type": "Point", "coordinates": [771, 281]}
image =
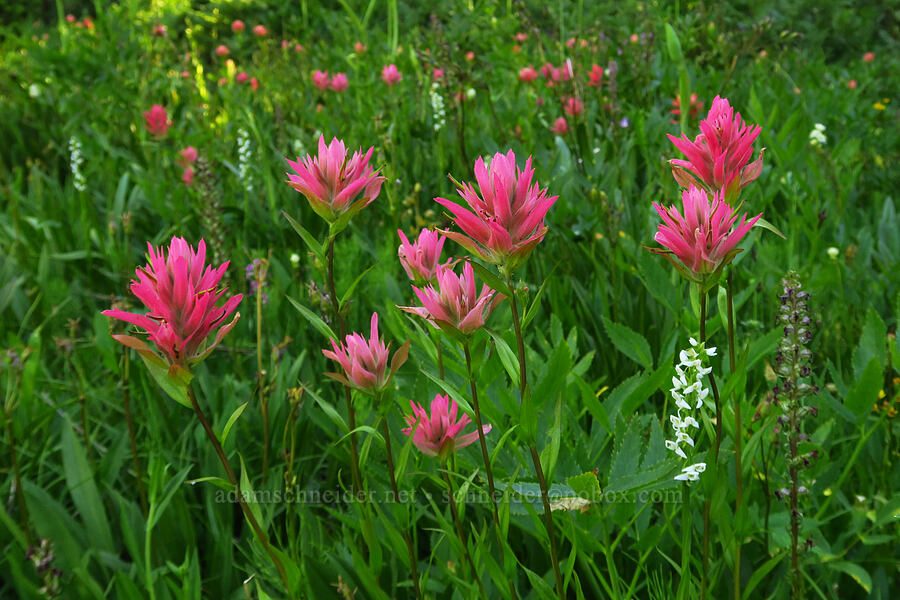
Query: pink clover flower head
{"type": "Point", "coordinates": [156, 120]}
{"type": "Point", "coordinates": [717, 158]}
{"type": "Point", "coordinates": [390, 75]}
{"type": "Point", "coordinates": [237, 25]}
{"type": "Point", "coordinates": [527, 74]}
{"type": "Point", "coordinates": [506, 220]}
{"type": "Point", "coordinates": [222, 50]}
{"type": "Point", "coordinates": [560, 126]}
{"type": "Point", "coordinates": [339, 82]}
{"type": "Point", "coordinates": [181, 292]}
{"type": "Point", "coordinates": [365, 361]}
{"type": "Point", "coordinates": [337, 187]}
{"type": "Point", "coordinates": [703, 239]}
{"type": "Point", "coordinates": [422, 259]}
{"type": "Point", "coordinates": [260, 30]}
{"type": "Point", "coordinates": [441, 433]}
{"type": "Point", "coordinates": [321, 79]}
{"type": "Point", "coordinates": [454, 303]}
{"type": "Point", "coordinates": [573, 107]}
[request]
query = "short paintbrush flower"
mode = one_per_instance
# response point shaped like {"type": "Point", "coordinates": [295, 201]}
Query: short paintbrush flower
{"type": "Point", "coordinates": [703, 239]}
{"type": "Point", "coordinates": [337, 187]}
{"type": "Point", "coordinates": [441, 433]}
{"type": "Point", "coordinates": [718, 158]}
{"type": "Point", "coordinates": [421, 259]}
{"type": "Point", "coordinates": [182, 293]}
{"type": "Point", "coordinates": [454, 303]}
{"type": "Point", "coordinates": [505, 216]}
{"type": "Point", "coordinates": [365, 361]}
{"type": "Point", "coordinates": [156, 120]}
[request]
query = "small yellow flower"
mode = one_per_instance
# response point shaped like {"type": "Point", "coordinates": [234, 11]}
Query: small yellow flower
{"type": "Point", "coordinates": [879, 106]}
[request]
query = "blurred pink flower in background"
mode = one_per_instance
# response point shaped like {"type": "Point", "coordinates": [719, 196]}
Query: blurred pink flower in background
{"type": "Point", "coordinates": [156, 120]}
{"type": "Point", "coordinates": [422, 258]}
{"type": "Point", "coordinates": [517, 48]}
{"type": "Point", "coordinates": [851, 84]}
{"type": "Point", "coordinates": [506, 220]}
{"type": "Point", "coordinates": [254, 83]}
{"type": "Point", "coordinates": [570, 43]}
{"type": "Point", "coordinates": [185, 74]}
{"type": "Point", "coordinates": [868, 57]}
{"type": "Point", "coordinates": [470, 56]}
{"type": "Point", "coordinates": [521, 37]}
{"type": "Point", "coordinates": [717, 158]}
{"type": "Point", "coordinates": [453, 302]}
{"type": "Point", "coordinates": [242, 77]}
{"type": "Point", "coordinates": [560, 126]}
{"type": "Point", "coordinates": [339, 82]}
{"type": "Point", "coordinates": [298, 48]}
{"type": "Point", "coordinates": [70, 18]}
{"type": "Point", "coordinates": [704, 238]}
{"type": "Point", "coordinates": [595, 76]}
{"type": "Point", "coordinates": [331, 182]}
{"type": "Point", "coordinates": [438, 74]}
{"type": "Point", "coordinates": [188, 176]}
{"type": "Point", "coordinates": [321, 79]}
{"type": "Point", "coordinates": [547, 70]}
{"type": "Point", "coordinates": [573, 107]}
{"type": "Point", "coordinates": [260, 30]}
{"type": "Point", "coordinates": [181, 293]}
{"type": "Point", "coordinates": [441, 433]}
{"type": "Point", "coordinates": [160, 31]}
{"type": "Point", "coordinates": [187, 156]}
{"type": "Point", "coordinates": [527, 74]}
{"type": "Point", "coordinates": [359, 47]}
{"type": "Point", "coordinates": [365, 361]}
{"type": "Point", "coordinates": [222, 50]}
{"type": "Point", "coordinates": [237, 25]}
{"type": "Point", "coordinates": [390, 75]}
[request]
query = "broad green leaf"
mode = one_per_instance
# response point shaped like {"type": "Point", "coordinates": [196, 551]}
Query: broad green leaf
{"type": "Point", "coordinates": [629, 342]}
{"type": "Point", "coordinates": [865, 392]}
{"type": "Point", "coordinates": [507, 357]}
{"type": "Point", "coordinates": [314, 246]}
{"type": "Point", "coordinates": [85, 495]}
{"type": "Point", "coordinates": [492, 280]}
{"type": "Point", "coordinates": [856, 573]}
{"type": "Point", "coordinates": [871, 343]}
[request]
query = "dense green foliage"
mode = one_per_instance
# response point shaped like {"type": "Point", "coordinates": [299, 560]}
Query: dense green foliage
{"type": "Point", "coordinates": [607, 317]}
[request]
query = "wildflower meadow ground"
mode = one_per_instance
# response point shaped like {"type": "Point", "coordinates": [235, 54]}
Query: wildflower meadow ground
{"type": "Point", "coordinates": [450, 300]}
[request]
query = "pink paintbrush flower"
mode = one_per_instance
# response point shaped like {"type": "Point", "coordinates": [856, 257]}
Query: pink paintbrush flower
{"type": "Point", "coordinates": [156, 120]}
{"type": "Point", "coordinates": [180, 291]}
{"type": "Point", "coordinates": [187, 156]}
{"type": "Point", "coordinates": [573, 107]}
{"type": "Point", "coordinates": [391, 75]}
{"type": "Point", "coordinates": [704, 238]}
{"type": "Point", "coordinates": [441, 433]}
{"type": "Point", "coordinates": [365, 361]}
{"type": "Point", "coordinates": [237, 25]}
{"type": "Point", "coordinates": [506, 220]}
{"type": "Point", "coordinates": [339, 82]}
{"type": "Point", "coordinates": [188, 176]}
{"type": "Point", "coordinates": [422, 259]}
{"type": "Point", "coordinates": [222, 50]}
{"type": "Point", "coordinates": [321, 79]}
{"type": "Point", "coordinates": [260, 30]}
{"type": "Point", "coordinates": [453, 303]}
{"type": "Point", "coordinates": [527, 74]}
{"type": "Point", "coordinates": [717, 159]}
{"type": "Point", "coordinates": [560, 126]}
{"type": "Point", "coordinates": [595, 76]}
{"type": "Point", "coordinates": [336, 187]}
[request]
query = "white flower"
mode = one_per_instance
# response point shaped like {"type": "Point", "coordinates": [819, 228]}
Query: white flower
{"type": "Point", "coordinates": [691, 473]}
{"type": "Point", "coordinates": [833, 253]}
{"type": "Point", "coordinates": [295, 260]}
{"type": "Point", "coordinates": [34, 90]}
{"type": "Point", "coordinates": [711, 351]}
{"type": "Point", "coordinates": [817, 136]}
{"type": "Point", "coordinates": [245, 155]}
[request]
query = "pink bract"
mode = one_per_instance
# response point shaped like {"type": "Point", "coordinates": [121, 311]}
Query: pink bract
{"type": "Point", "coordinates": [336, 187]}
{"type": "Point", "coordinates": [454, 303]}
{"type": "Point", "coordinates": [527, 74]}
{"type": "Point", "coordinates": [595, 76]}
{"type": "Point", "coordinates": [717, 158]}
{"type": "Point", "coordinates": [321, 79]}
{"type": "Point", "coordinates": [390, 75]}
{"type": "Point", "coordinates": [339, 82]}
{"type": "Point", "coordinates": [506, 220]}
{"type": "Point", "coordinates": [180, 291]}
{"type": "Point", "coordinates": [156, 120]}
{"type": "Point", "coordinates": [705, 236]}
{"type": "Point", "coordinates": [422, 258]}
{"type": "Point", "coordinates": [441, 433]}
{"type": "Point", "coordinates": [365, 361]}
{"type": "Point", "coordinates": [237, 25]}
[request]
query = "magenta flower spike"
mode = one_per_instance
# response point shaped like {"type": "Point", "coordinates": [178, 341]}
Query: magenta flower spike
{"type": "Point", "coordinates": [704, 238]}
{"type": "Point", "coordinates": [441, 433]}
{"type": "Point", "coordinates": [506, 220]}
{"type": "Point", "coordinates": [336, 187]}
{"type": "Point", "coordinates": [180, 291]}
{"type": "Point", "coordinates": [454, 304]}
{"type": "Point", "coordinates": [390, 75]}
{"type": "Point", "coordinates": [717, 158]}
{"type": "Point", "coordinates": [365, 361]}
{"type": "Point", "coordinates": [156, 120]}
{"type": "Point", "coordinates": [422, 258]}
